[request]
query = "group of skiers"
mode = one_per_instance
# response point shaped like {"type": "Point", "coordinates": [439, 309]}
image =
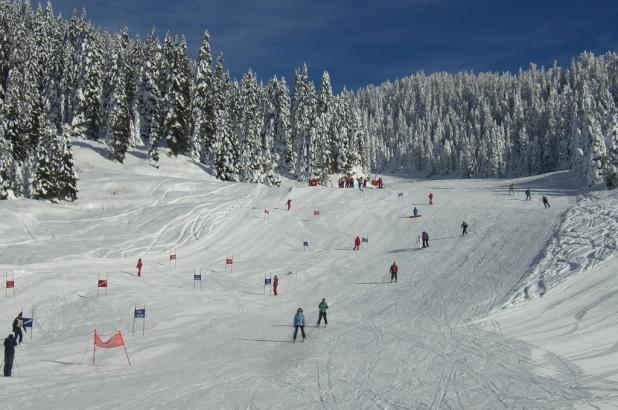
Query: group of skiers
{"type": "Point", "coordinates": [11, 342]}
{"type": "Point", "coordinates": [360, 182]}
{"type": "Point", "coordinates": [528, 194]}
{"type": "Point", "coordinates": [299, 319]}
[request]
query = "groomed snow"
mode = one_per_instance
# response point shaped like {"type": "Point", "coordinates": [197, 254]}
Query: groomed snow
{"type": "Point", "coordinates": [454, 332]}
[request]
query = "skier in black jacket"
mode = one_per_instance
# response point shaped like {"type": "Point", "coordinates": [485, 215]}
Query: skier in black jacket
{"type": "Point", "coordinates": [9, 354]}
{"type": "Point", "coordinates": [18, 324]}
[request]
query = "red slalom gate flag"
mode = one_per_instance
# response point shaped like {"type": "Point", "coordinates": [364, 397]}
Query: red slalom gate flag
{"type": "Point", "coordinates": [10, 284]}
{"type": "Point", "coordinates": [102, 283]}
{"type": "Point", "coordinates": [114, 341]}
{"type": "Point", "coordinates": [229, 261]}
{"type": "Point", "coordinates": [173, 257]}
{"type": "Point", "coordinates": [316, 213]}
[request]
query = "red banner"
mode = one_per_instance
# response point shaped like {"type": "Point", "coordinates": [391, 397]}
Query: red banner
{"type": "Point", "coordinates": [10, 284]}
{"type": "Point", "coordinates": [102, 283]}
{"type": "Point", "coordinates": [114, 341]}
{"type": "Point", "coordinates": [173, 257]}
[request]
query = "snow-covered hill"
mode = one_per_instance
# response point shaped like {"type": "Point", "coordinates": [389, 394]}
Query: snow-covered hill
{"type": "Point", "coordinates": [454, 332]}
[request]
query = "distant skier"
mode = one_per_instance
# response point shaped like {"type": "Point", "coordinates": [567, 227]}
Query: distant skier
{"type": "Point", "coordinates": [425, 238]}
{"type": "Point", "coordinates": [139, 267]}
{"type": "Point", "coordinates": [415, 211]}
{"type": "Point", "coordinates": [299, 322]}
{"type": "Point", "coordinates": [322, 307]}
{"type": "Point", "coordinates": [289, 203]}
{"type": "Point", "coordinates": [430, 198]}
{"type": "Point", "coordinates": [394, 269]}
{"type": "Point", "coordinates": [528, 196]}
{"type": "Point", "coordinates": [18, 324]}
{"type": "Point", "coordinates": [9, 354]}
{"type": "Point", "coordinates": [464, 228]}
{"type": "Point", "coordinates": [546, 202]}
{"type": "Point", "coordinates": [275, 284]}
{"type": "Point", "coordinates": [357, 243]}
{"type": "Point", "coordinates": [511, 189]}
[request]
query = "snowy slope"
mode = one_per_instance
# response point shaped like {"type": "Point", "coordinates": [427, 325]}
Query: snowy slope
{"type": "Point", "coordinates": [439, 338]}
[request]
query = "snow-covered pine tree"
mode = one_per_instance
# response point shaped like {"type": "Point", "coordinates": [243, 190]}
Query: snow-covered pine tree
{"type": "Point", "coordinates": [251, 158]}
{"type": "Point", "coordinates": [149, 95]}
{"type": "Point", "coordinates": [88, 118]}
{"type": "Point", "coordinates": [282, 143]}
{"type": "Point", "coordinates": [303, 113]}
{"type": "Point", "coordinates": [176, 125]}
{"type": "Point", "coordinates": [203, 105]}
{"type": "Point", "coordinates": [6, 164]}
{"type": "Point", "coordinates": [119, 132]}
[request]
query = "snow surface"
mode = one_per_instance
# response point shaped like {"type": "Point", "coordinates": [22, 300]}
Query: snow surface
{"type": "Point", "coordinates": [454, 332]}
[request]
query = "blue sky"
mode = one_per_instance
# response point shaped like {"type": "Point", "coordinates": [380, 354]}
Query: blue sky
{"type": "Point", "coordinates": [368, 42]}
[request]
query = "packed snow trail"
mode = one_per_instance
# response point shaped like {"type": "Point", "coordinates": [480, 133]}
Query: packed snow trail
{"type": "Point", "coordinates": [425, 342]}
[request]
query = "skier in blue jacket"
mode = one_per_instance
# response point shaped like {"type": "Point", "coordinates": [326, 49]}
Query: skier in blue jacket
{"type": "Point", "coordinates": [299, 322]}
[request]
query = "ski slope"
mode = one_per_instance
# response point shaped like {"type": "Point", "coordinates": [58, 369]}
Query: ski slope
{"type": "Point", "coordinates": [455, 332]}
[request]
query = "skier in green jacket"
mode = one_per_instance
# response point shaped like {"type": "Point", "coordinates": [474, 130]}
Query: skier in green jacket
{"type": "Point", "coordinates": [323, 307]}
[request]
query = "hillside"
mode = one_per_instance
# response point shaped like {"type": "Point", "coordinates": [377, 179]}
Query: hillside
{"type": "Point", "coordinates": [454, 332]}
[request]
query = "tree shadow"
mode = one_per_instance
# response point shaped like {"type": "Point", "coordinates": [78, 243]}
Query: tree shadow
{"type": "Point", "coordinates": [99, 150]}
{"type": "Point", "coordinates": [370, 283]}
{"type": "Point", "coordinates": [401, 250]}
{"type": "Point", "coordinates": [267, 340]}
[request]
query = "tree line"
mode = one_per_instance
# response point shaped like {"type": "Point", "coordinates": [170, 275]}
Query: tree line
{"type": "Point", "coordinates": [63, 80]}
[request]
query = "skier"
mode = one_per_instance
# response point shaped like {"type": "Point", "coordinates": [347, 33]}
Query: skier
{"type": "Point", "coordinates": [275, 284]}
{"type": "Point", "coordinates": [528, 196]}
{"type": "Point", "coordinates": [430, 198]}
{"type": "Point", "coordinates": [299, 322]}
{"type": "Point", "coordinates": [546, 202]}
{"type": "Point", "coordinates": [322, 307]}
{"type": "Point", "coordinates": [511, 189]}
{"type": "Point", "coordinates": [394, 269]}
{"type": "Point", "coordinates": [464, 228]}
{"type": "Point", "coordinates": [289, 204]}
{"type": "Point", "coordinates": [18, 324]}
{"type": "Point", "coordinates": [9, 354]}
{"type": "Point", "coordinates": [425, 238]}
{"type": "Point", "coordinates": [357, 243]}
{"type": "Point", "coordinates": [415, 211]}
{"type": "Point", "coordinates": [139, 267]}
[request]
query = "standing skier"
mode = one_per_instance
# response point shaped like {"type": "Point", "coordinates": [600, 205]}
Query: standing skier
{"type": "Point", "coordinates": [289, 203]}
{"type": "Point", "coordinates": [430, 198]}
{"type": "Point", "coordinates": [464, 228]}
{"type": "Point", "coordinates": [9, 354]}
{"type": "Point", "coordinates": [275, 284]}
{"type": "Point", "coordinates": [511, 189]}
{"type": "Point", "coordinates": [322, 307]}
{"type": "Point", "coordinates": [394, 269]}
{"type": "Point", "coordinates": [18, 324]}
{"type": "Point", "coordinates": [299, 322]}
{"type": "Point", "coordinates": [528, 196]}
{"type": "Point", "coordinates": [415, 211]}
{"type": "Point", "coordinates": [425, 238]}
{"type": "Point", "coordinates": [546, 202]}
{"type": "Point", "coordinates": [139, 267]}
{"type": "Point", "coordinates": [357, 243]}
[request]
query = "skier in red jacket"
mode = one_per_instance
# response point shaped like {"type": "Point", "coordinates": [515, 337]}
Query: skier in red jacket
{"type": "Point", "coordinates": [139, 267]}
{"type": "Point", "coordinates": [430, 198]}
{"type": "Point", "coordinates": [275, 284]}
{"type": "Point", "coordinates": [357, 243]}
{"type": "Point", "coordinates": [394, 269]}
{"type": "Point", "coordinates": [289, 204]}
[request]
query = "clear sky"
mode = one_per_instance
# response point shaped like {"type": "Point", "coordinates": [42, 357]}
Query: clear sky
{"type": "Point", "coordinates": [364, 42]}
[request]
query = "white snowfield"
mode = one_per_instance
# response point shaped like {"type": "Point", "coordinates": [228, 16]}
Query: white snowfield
{"type": "Point", "coordinates": [455, 331]}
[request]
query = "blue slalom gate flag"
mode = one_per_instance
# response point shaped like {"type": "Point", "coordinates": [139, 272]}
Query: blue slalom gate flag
{"type": "Point", "coordinates": [267, 281]}
{"type": "Point", "coordinates": [305, 243]}
{"type": "Point", "coordinates": [27, 321]}
{"type": "Point", "coordinates": [140, 313]}
{"type": "Point", "coordinates": [197, 277]}
{"type": "Point", "coordinates": [400, 194]}
{"type": "Point", "coordinates": [365, 239]}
